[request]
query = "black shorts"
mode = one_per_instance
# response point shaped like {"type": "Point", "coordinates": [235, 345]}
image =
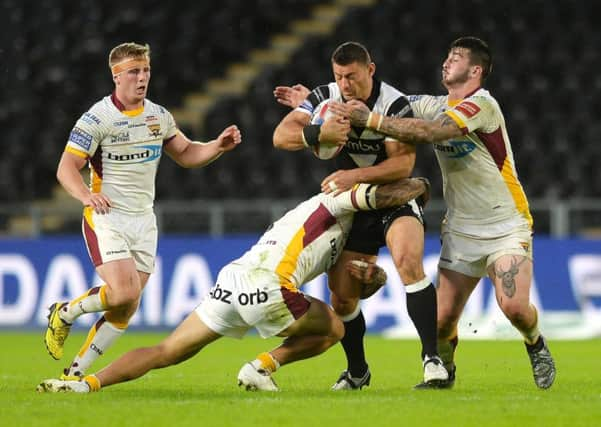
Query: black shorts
{"type": "Point", "coordinates": [368, 233]}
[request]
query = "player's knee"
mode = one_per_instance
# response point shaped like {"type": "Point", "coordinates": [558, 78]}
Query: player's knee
{"type": "Point", "coordinates": [124, 296]}
{"type": "Point", "coordinates": [516, 313]}
{"type": "Point", "coordinates": [409, 267]}
{"type": "Point", "coordinates": [344, 306]}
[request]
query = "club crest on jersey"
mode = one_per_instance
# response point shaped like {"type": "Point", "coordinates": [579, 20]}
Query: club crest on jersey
{"type": "Point", "coordinates": [155, 130]}
{"type": "Point", "coordinates": [469, 109]}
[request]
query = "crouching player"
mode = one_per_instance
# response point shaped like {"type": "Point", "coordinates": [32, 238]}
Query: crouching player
{"type": "Point", "coordinates": [261, 290]}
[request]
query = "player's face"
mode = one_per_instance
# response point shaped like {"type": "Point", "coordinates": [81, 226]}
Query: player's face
{"type": "Point", "coordinates": [354, 80]}
{"type": "Point", "coordinates": [456, 69]}
{"type": "Point", "coordinates": [132, 84]}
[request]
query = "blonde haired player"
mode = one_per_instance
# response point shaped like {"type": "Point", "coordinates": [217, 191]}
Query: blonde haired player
{"type": "Point", "coordinates": [487, 229]}
{"type": "Point", "coordinates": [261, 290]}
{"type": "Point", "coordinates": [122, 138]}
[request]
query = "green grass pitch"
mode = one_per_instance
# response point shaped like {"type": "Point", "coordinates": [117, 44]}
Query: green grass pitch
{"type": "Point", "coordinates": [494, 388]}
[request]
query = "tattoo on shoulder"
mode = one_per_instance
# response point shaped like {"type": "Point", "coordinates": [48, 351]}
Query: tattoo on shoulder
{"type": "Point", "coordinates": [445, 120]}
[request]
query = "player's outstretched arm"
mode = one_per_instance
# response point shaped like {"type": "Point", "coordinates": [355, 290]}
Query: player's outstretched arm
{"type": "Point", "coordinates": [193, 154]}
{"type": "Point", "coordinates": [410, 130]}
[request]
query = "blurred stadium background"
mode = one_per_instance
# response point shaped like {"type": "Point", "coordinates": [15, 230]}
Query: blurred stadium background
{"type": "Point", "coordinates": [217, 62]}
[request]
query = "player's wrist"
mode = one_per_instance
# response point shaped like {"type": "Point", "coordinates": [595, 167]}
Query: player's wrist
{"type": "Point", "coordinates": [374, 120]}
{"type": "Point", "coordinates": [311, 135]}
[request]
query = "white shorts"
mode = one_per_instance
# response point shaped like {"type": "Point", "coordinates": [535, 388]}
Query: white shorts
{"type": "Point", "coordinates": [244, 297]}
{"type": "Point", "coordinates": [472, 256]}
{"type": "Point", "coordinates": [116, 235]}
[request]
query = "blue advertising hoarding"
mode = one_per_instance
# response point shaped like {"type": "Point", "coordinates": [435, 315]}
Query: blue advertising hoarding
{"type": "Point", "coordinates": [35, 273]}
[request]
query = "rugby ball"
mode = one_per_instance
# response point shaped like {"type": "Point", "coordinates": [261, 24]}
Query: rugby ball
{"type": "Point", "coordinates": [320, 114]}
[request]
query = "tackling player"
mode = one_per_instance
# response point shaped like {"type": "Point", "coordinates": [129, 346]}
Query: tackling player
{"type": "Point", "coordinates": [122, 138]}
{"type": "Point", "coordinates": [487, 229]}
{"type": "Point", "coordinates": [261, 290]}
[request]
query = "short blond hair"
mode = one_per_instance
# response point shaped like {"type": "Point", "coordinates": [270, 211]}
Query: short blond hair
{"type": "Point", "coordinates": [128, 50]}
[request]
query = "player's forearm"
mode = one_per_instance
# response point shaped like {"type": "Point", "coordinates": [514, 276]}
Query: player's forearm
{"type": "Point", "coordinates": [288, 137]}
{"type": "Point", "coordinates": [387, 171]}
{"type": "Point", "coordinates": [198, 154]}
{"type": "Point", "coordinates": [72, 181]}
{"type": "Point", "coordinates": [416, 131]}
{"type": "Point", "coordinates": [400, 192]}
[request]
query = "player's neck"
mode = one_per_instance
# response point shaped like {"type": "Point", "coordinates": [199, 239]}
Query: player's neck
{"type": "Point", "coordinates": [127, 103]}
{"type": "Point", "coordinates": [463, 90]}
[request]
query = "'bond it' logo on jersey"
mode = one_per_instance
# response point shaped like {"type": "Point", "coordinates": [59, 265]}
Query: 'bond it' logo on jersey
{"type": "Point", "coordinates": [151, 153]}
{"type": "Point", "coordinates": [456, 149]}
{"type": "Point", "coordinates": [469, 109]}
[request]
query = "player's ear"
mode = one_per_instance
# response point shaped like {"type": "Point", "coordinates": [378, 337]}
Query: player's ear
{"type": "Point", "coordinates": [372, 69]}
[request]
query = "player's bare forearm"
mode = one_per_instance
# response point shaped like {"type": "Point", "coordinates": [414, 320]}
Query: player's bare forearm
{"type": "Point", "coordinates": [417, 131]}
{"type": "Point", "coordinates": [69, 176]}
{"type": "Point", "coordinates": [288, 135]}
{"type": "Point", "coordinates": [400, 192]}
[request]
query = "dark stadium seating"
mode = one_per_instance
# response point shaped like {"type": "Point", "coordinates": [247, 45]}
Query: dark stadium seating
{"type": "Point", "coordinates": [545, 76]}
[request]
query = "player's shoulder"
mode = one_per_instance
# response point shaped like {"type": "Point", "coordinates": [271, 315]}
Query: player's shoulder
{"type": "Point", "coordinates": [392, 101]}
{"type": "Point", "coordinates": [483, 99]}
{"type": "Point", "coordinates": [154, 108]}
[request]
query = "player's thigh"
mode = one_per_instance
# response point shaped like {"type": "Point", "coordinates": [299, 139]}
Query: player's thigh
{"type": "Point", "coordinates": [319, 319]}
{"type": "Point", "coordinates": [187, 339]}
{"type": "Point", "coordinates": [405, 241]}
{"type": "Point", "coordinates": [120, 276]}
{"type": "Point", "coordinates": [342, 285]}
{"type": "Point", "coordinates": [511, 275]}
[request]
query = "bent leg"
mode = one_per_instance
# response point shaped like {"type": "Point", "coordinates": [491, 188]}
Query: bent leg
{"type": "Point", "coordinates": [312, 334]}
{"type": "Point", "coordinates": [345, 294]}
{"type": "Point", "coordinates": [184, 342]}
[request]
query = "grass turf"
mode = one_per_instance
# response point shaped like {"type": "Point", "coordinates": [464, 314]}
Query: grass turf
{"type": "Point", "coordinates": [494, 387]}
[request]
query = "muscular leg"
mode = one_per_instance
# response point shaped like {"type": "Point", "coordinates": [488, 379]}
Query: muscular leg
{"type": "Point", "coordinates": [187, 340]}
{"type": "Point", "coordinates": [122, 291]}
{"type": "Point", "coordinates": [453, 292]}
{"type": "Point", "coordinates": [345, 294]}
{"type": "Point", "coordinates": [316, 331]}
{"type": "Point", "coordinates": [512, 277]}
{"type": "Point", "coordinates": [405, 240]}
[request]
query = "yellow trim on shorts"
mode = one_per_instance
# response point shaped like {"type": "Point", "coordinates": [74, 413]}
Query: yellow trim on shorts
{"type": "Point", "coordinates": [87, 214]}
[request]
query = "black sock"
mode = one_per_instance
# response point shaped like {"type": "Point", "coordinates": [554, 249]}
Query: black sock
{"type": "Point", "coordinates": [537, 346]}
{"type": "Point", "coordinates": [352, 343]}
{"type": "Point", "coordinates": [421, 306]}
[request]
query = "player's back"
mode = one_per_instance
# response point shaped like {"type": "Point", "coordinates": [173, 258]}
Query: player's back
{"type": "Point", "coordinates": [304, 243]}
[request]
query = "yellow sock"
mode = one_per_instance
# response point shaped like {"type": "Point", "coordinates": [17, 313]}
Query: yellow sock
{"type": "Point", "coordinates": [92, 382]}
{"type": "Point", "coordinates": [268, 362]}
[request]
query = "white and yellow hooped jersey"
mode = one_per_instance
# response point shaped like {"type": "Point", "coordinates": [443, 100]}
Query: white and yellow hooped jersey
{"type": "Point", "coordinates": [124, 149]}
{"type": "Point", "coordinates": [481, 188]}
{"type": "Point", "coordinates": [306, 241]}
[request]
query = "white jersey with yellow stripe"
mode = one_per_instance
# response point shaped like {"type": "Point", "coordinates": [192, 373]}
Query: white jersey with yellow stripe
{"type": "Point", "coordinates": [480, 183]}
{"type": "Point", "coordinates": [306, 241]}
{"type": "Point", "coordinates": [124, 149]}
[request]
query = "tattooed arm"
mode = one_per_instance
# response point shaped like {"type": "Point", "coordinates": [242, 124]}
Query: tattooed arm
{"type": "Point", "coordinates": [410, 130]}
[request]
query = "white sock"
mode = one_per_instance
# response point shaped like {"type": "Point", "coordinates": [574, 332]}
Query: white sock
{"type": "Point", "coordinates": [92, 301]}
{"type": "Point", "coordinates": [100, 338]}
